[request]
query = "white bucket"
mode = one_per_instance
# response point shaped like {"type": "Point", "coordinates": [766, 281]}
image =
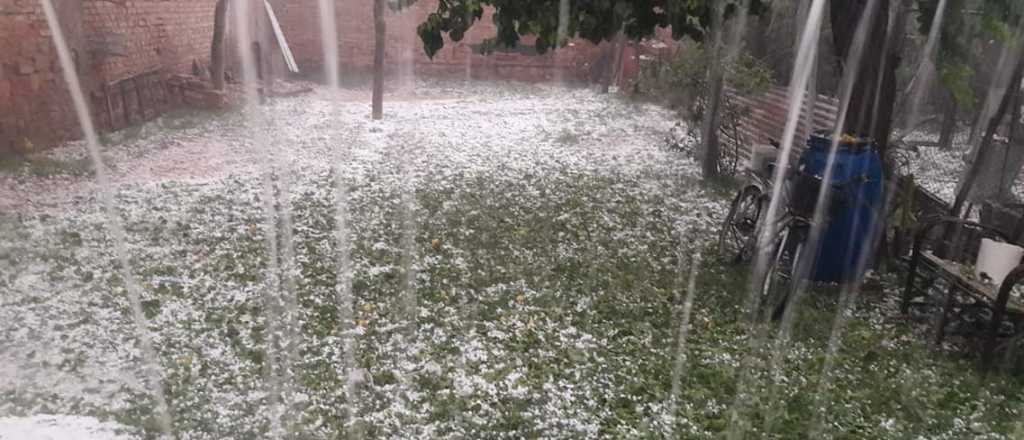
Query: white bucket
{"type": "Point", "coordinates": [996, 260]}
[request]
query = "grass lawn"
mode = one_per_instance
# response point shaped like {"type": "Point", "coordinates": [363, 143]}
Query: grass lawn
{"type": "Point", "coordinates": [550, 235]}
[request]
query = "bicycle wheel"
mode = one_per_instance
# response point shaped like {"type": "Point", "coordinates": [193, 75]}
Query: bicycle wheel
{"type": "Point", "coordinates": [778, 281]}
{"type": "Point", "coordinates": [738, 232]}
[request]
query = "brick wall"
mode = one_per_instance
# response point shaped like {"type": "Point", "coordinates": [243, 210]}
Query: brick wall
{"type": "Point", "coordinates": [147, 34]}
{"type": "Point", "coordinates": [115, 42]}
{"type": "Point", "coordinates": [111, 40]}
{"type": "Point", "coordinates": [356, 44]}
{"type": "Point", "coordinates": [34, 109]}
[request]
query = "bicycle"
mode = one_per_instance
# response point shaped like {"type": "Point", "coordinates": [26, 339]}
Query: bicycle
{"type": "Point", "coordinates": [786, 250]}
{"type": "Point", "coordinates": [738, 234]}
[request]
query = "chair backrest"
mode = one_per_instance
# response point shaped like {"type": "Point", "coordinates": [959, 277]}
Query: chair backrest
{"type": "Point", "coordinates": [1008, 217]}
{"type": "Point", "coordinates": [927, 204]}
{"type": "Point", "coordinates": [960, 241]}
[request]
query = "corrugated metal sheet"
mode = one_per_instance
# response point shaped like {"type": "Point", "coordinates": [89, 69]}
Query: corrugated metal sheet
{"type": "Point", "coordinates": [767, 118]}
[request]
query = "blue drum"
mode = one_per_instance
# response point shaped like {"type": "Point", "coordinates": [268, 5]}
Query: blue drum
{"type": "Point", "coordinates": [856, 205]}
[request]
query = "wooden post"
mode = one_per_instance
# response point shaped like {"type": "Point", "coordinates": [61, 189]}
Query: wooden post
{"type": "Point", "coordinates": [379, 28]}
{"type": "Point", "coordinates": [217, 46]}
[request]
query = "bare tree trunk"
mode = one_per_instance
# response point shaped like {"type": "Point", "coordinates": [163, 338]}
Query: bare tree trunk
{"type": "Point", "coordinates": [1012, 159]}
{"type": "Point", "coordinates": [711, 147]}
{"type": "Point", "coordinates": [948, 123]}
{"type": "Point", "coordinates": [871, 109]}
{"type": "Point", "coordinates": [379, 30]}
{"type": "Point", "coordinates": [966, 186]}
{"type": "Point", "coordinates": [811, 100]}
{"type": "Point", "coordinates": [1001, 162]}
{"type": "Point", "coordinates": [811, 103]}
{"type": "Point", "coordinates": [217, 46]}
{"type": "Point", "coordinates": [614, 62]}
{"type": "Point", "coordinates": [606, 76]}
{"type": "Point", "coordinates": [712, 121]}
{"type": "Point", "coordinates": [620, 55]}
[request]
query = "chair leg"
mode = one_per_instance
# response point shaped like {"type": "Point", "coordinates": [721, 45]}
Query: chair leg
{"type": "Point", "coordinates": [1011, 352]}
{"type": "Point", "coordinates": [943, 319]}
{"type": "Point", "coordinates": [998, 312]}
{"type": "Point", "coordinates": [908, 288]}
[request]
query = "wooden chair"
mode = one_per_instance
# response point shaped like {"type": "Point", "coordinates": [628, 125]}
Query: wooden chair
{"type": "Point", "coordinates": [944, 252]}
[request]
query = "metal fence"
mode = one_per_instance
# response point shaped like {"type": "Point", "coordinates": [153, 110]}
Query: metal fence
{"type": "Point", "coordinates": [766, 118]}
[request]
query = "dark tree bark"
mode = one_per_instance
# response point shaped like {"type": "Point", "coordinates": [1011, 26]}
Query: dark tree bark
{"type": "Point", "coordinates": [871, 106]}
{"type": "Point", "coordinates": [712, 121]}
{"type": "Point", "coordinates": [379, 30]}
{"type": "Point", "coordinates": [810, 103]}
{"type": "Point", "coordinates": [606, 73]}
{"type": "Point", "coordinates": [948, 123]}
{"type": "Point", "coordinates": [967, 185]}
{"type": "Point", "coordinates": [217, 46]}
{"type": "Point", "coordinates": [872, 103]}
{"type": "Point", "coordinates": [610, 70]}
{"type": "Point", "coordinates": [1012, 158]}
{"type": "Point", "coordinates": [711, 148]}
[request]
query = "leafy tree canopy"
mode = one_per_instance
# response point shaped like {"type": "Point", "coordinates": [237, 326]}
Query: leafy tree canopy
{"type": "Point", "coordinates": [979, 18]}
{"type": "Point", "coordinates": [593, 20]}
{"type": "Point", "coordinates": [965, 23]}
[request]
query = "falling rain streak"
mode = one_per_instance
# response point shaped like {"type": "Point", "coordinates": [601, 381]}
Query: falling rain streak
{"type": "Point", "coordinates": [927, 68]}
{"type": "Point", "coordinates": [761, 374]}
{"type": "Point", "coordinates": [819, 221]}
{"type": "Point", "coordinates": [805, 61]}
{"type": "Point", "coordinates": [278, 294]}
{"type": "Point", "coordinates": [683, 331]}
{"type": "Point", "coordinates": [151, 364]}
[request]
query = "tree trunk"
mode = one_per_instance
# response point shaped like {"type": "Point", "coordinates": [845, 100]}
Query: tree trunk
{"type": "Point", "coordinates": [711, 148]}
{"type": "Point", "coordinates": [611, 70]}
{"type": "Point", "coordinates": [606, 76]}
{"type": "Point", "coordinates": [948, 123]}
{"type": "Point", "coordinates": [379, 30]}
{"type": "Point", "coordinates": [1013, 158]}
{"type": "Point", "coordinates": [967, 184]}
{"type": "Point", "coordinates": [871, 107]}
{"type": "Point", "coordinates": [811, 99]}
{"type": "Point", "coordinates": [1000, 165]}
{"type": "Point", "coordinates": [620, 58]}
{"type": "Point", "coordinates": [217, 45]}
{"type": "Point", "coordinates": [712, 121]}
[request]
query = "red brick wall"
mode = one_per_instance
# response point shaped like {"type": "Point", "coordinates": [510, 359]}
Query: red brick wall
{"type": "Point", "coordinates": [34, 109]}
{"type": "Point", "coordinates": [135, 36]}
{"type": "Point", "coordinates": [356, 39]}
{"type": "Point", "coordinates": [146, 34]}
{"type": "Point", "coordinates": [154, 34]}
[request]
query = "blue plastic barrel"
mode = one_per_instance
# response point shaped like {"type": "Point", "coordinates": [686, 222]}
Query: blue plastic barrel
{"type": "Point", "coordinates": [855, 209]}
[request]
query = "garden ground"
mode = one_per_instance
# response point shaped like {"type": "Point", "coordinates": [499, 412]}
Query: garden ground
{"type": "Point", "coordinates": [551, 233]}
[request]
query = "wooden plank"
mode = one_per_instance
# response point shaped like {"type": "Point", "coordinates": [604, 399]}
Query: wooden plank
{"type": "Point", "coordinates": [110, 108]}
{"type": "Point", "coordinates": [285, 50]}
{"type": "Point", "coordinates": [954, 272]}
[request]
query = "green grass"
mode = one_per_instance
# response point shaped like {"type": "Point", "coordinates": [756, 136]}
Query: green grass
{"type": "Point", "coordinates": [44, 166]}
{"type": "Point", "coordinates": [565, 280]}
